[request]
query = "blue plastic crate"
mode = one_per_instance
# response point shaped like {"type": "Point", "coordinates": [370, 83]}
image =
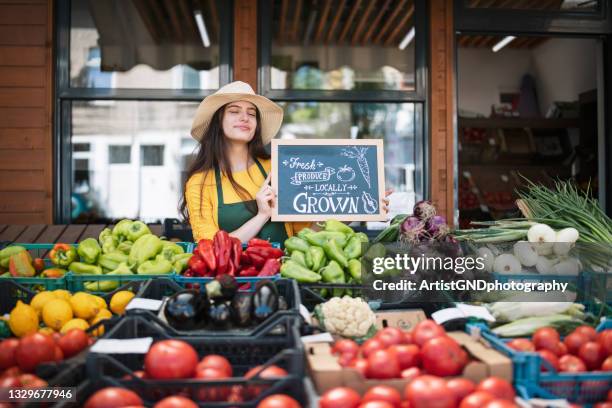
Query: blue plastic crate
{"type": "Point", "coordinates": [531, 382]}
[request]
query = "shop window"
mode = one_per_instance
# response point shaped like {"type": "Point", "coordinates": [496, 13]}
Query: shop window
{"type": "Point", "coordinates": [152, 155]}
{"type": "Point", "coordinates": [81, 147]}
{"type": "Point", "coordinates": [540, 5]}
{"type": "Point", "coordinates": [119, 154]}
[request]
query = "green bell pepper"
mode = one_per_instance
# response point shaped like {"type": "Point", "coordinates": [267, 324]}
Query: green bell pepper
{"type": "Point", "coordinates": [333, 273]}
{"type": "Point", "coordinates": [181, 261]}
{"type": "Point", "coordinates": [159, 266]}
{"type": "Point", "coordinates": [375, 251]}
{"type": "Point", "coordinates": [352, 250]}
{"type": "Point", "coordinates": [5, 254]}
{"type": "Point", "coordinates": [304, 231]}
{"type": "Point", "coordinates": [63, 254]}
{"type": "Point", "coordinates": [145, 248]}
{"type": "Point", "coordinates": [112, 260]}
{"type": "Point", "coordinates": [296, 244]}
{"type": "Point", "coordinates": [337, 226]}
{"type": "Point", "coordinates": [120, 231]}
{"type": "Point", "coordinates": [319, 259]}
{"type": "Point", "coordinates": [136, 230]}
{"type": "Point", "coordinates": [363, 237]}
{"type": "Point", "coordinates": [81, 268]}
{"type": "Point", "coordinates": [354, 269]}
{"type": "Point", "coordinates": [299, 257]}
{"type": "Point", "coordinates": [334, 252]}
{"type": "Point", "coordinates": [170, 250]}
{"type": "Point", "coordinates": [293, 270]}
{"type": "Point", "coordinates": [321, 237]}
{"type": "Point", "coordinates": [125, 247]}
{"type": "Point", "coordinates": [107, 240]}
{"type": "Point", "coordinates": [109, 285]}
{"type": "Point", "coordinates": [89, 250]}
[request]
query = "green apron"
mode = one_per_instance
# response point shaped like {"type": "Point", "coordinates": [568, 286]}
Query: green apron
{"type": "Point", "coordinates": [233, 216]}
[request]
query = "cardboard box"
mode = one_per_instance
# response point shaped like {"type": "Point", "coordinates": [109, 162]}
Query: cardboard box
{"type": "Point", "coordinates": [326, 373]}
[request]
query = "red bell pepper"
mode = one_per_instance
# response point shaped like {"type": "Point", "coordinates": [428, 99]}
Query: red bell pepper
{"type": "Point", "coordinates": [270, 268]}
{"type": "Point", "coordinates": [245, 260]}
{"type": "Point", "coordinates": [222, 245]}
{"type": "Point", "coordinates": [197, 266]}
{"type": "Point", "coordinates": [257, 260]}
{"type": "Point", "coordinates": [248, 272]}
{"type": "Point", "coordinates": [236, 252]}
{"type": "Point", "coordinates": [257, 242]}
{"type": "Point", "coordinates": [265, 252]}
{"type": "Point", "coordinates": [206, 252]}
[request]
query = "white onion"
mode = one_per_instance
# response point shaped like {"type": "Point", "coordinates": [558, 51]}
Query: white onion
{"type": "Point", "coordinates": [565, 240]}
{"type": "Point", "coordinates": [569, 266]}
{"type": "Point", "coordinates": [542, 234]}
{"type": "Point", "coordinates": [525, 253]}
{"type": "Point", "coordinates": [545, 266]}
{"type": "Point", "coordinates": [507, 264]}
{"type": "Point", "coordinates": [488, 258]}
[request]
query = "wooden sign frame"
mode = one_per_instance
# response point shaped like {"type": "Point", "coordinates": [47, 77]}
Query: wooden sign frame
{"type": "Point", "coordinates": [378, 143]}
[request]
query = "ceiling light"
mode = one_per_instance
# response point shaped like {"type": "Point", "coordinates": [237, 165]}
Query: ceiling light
{"type": "Point", "coordinates": [407, 39]}
{"type": "Point", "coordinates": [202, 28]}
{"type": "Point", "coordinates": [507, 40]}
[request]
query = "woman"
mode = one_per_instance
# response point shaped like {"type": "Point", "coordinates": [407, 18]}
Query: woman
{"type": "Point", "coordinates": [228, 184]}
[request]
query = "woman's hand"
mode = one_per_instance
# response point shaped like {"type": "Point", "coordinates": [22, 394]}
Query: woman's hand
{"type": "Point", "coordinates": [265, 198]}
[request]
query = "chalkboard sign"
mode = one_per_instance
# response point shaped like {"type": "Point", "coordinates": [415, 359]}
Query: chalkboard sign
{"type": "Point", "coordinates": [317, 180]}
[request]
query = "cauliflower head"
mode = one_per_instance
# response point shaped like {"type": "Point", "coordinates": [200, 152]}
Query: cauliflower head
{"type": "Point", "coordinates": [347, 316]}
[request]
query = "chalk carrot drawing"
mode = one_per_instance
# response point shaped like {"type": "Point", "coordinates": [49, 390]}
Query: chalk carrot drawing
{"type": "Point", "coordinates": [358, 153]}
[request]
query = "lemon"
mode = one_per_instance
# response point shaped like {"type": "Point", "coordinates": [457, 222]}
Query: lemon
{"type": "Point", "coordinates": [23, 319]}
{"type": "Point", "coordinates": [120, 300]}
{"type": "Point", "coordinates": [74, 324]}
{"type": "Point", "coordinates": [46, 330]}
{"type": "Point", "coordinates": [40, 300]}
{"type": "Point", "coordinates": [101, 302]}
{"type": "Point", "coordinates": [56, 313]}
{"type": "Point", "coordinates": [62, 294]}
{"type": "Point", "coordinates": [100, 330]}
{"type": "Point", "coordinates": [84, 305]}
{"type": "Point", "coordinates": [104, 314]}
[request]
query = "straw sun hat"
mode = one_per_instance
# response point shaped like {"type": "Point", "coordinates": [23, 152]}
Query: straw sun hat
{"type": "Point", "coordinates": [271, 115]}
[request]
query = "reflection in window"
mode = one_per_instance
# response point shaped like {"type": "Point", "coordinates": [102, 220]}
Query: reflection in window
{"type": "Point", "coordinates": [555, 5]}
{"type": "Point", "coordinates": [144, 44]}
{"type": "Point", "coordinates": [343, 45]}
{"type": "Point", "coordinates": [159, 133]}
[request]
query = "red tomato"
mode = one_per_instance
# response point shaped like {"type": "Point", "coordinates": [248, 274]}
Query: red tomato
{"type": "Point", "coordinates": [561, 349]}
{"type": "Point", "coordinates": [442, 356]}
{"type": "Point", "coordinates": [359, 364]}
{"type": "Point", "coordinates": [574, 341]}
{"type": "Point", "coordinates": [345, 346]}
{"type": "Point", "coordinates": [407, 355]}
{"type": "Point", "coordinates": [113, 397]}
{"type": "Point", "coordinates": [603, 405]}
{"type": "Point", "coordinates": [58, 353]}
{"type": "Point", "coordinates": [345, 359]}
{"type": "Point", "coordinates": [500, 403]}
{"type": "Point", "coordinates": [383, 393]}
{"type": "Point", "coordinates": [498, 387]}
{"type": "Point", "coordinates": [571, 364]}
{"type": "Point", "coordinates": [610, 395]}
{"type": "Point", "coordinates": [270, 372]}
{"type": "Point", "coordinates": [7, 353]}
{"type": "Point", "coordinates": [11, 372]}
{"type": "Point", "coordinates": [411, 373]}
{"type": "Point", "coordinates": [218, 362]}
{"type": "Point", "coordinates": [168, 359]}
{"type": "Point", "coordinates": [73, 342]}
{"type": "Point", "coordinates": [371, 345]}
{"type": "Point", "coordinates": [382, 364]}
{"type": "Point", "coordinates": [552, 359]}
{"type": "Point", "coordinates": [10, 381]}
{"type": "Point", "coordinates": [592, 354]}
{"type": "Point", "coordinates": [521, 345]}
{"type": "Point", "coordinates": [176, 401]}
{"type": "Point", "coordinates": [605, 339]}
{"type": "Point", "coordinates": [429, 391]}
{"type": "Point", "coordinates": [278, 401]}
{"type": "Point", "coordinates": [461, 387]}
{"type": "Point", "coordinates": [376, 404]}
{"type": "Point", "coordinates": [607, 365]}
{"type": "Point", "coordinates": [476, 400]}
{"type": "Point", "coordinates": [212, 393]}
{"type": "Point", "coordinates": [31, 381]}
{"type": "Point", "coordinates": [546, 338]}
{"type": "Point", "coordinates": [587, 331]}
{"type": "Point", "coordinates": [390, 336]}
{"type": "Point", "coordinates": [426, 330]}
{"type": "Point", "coordinates": [34, 349]}
{"type": "Point", "coordinates": [340, 397]}
{"type": "Point", "coordinates": [407, 338]}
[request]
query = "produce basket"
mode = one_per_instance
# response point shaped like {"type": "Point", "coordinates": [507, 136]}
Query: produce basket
{"type": "Point", "coordinates": [39, 284]}
{"type": "Point", "coordinates": [76, 282]}
{"type": "Point", "coordinates": [243, 353]}
{"type": "Point", "coordinates": [531, 382]}
{"type": "Point", "coordinates": [275, 325]}
{"type": "Point", "coordinates": [70, 376]}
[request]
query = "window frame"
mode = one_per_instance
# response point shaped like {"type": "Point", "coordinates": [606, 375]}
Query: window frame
{"type": "Point", "coordinates": [419, 97]}
{"type": "Point", "coordinates": [64, 95]}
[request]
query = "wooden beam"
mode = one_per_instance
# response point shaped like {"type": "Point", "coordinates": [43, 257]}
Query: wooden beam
{"type": "Point", "coordinates": [245, 42]}
{"type": "Point", "coordinates": [519, 42]}
{"type": "Point", "coordinates": [349, 21]}
{"type": "Point", "coordinates": [482, 41]}
{"type": "Point", "coordinates": [536, 42]}
{"type": "Point", "coordinates": [505, 3]}
{"type": "Point", "coordinates": [143, 11]}
{"type": "Point", "coordinates": [283, 11]}
{"type": "Point", "coordinates": [161, 20]}
{"type": "Point", "coordinates": [174, 20]}
{"type": "Point", "coordinates": [322, 21]}
{"type": "Point", "coordinates": [464, 40]}
{"type": "Point", "coordinates": [398, 9]}
{"type": "Point", "coordinates": [332, 28]}
{"type": "Point", "coordinates": [475, 3]}
{"type": "Point", "coordinates": [296, 20]}
{"type": "Point", "coordinates": [399, 28]}
{"type": "Point", "coordinates": [376, 21]}
{"type": "Point", "coordinates": [187, 16]}
{"type": "Point", "coordinates": [214, 22]}
{"type": "Point", "coordinates": [362, 22]}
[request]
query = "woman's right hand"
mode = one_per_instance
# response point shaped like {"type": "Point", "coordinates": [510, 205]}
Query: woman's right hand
{"type": "Point", "coordinates": [265, 198]}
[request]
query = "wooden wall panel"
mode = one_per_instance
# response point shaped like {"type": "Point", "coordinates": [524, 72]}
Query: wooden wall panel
{"type": "Point", "coordinates": [245, 42]}
{"type": "Point", "coordinates": [442, 106]}
{"type": "Point", "coordinates": [26, 84]}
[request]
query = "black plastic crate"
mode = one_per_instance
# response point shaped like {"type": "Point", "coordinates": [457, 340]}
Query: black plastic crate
{"type": "Point", "coordinates": [277, 324]}
{"type": "Point", "coordinates": [284, 351]}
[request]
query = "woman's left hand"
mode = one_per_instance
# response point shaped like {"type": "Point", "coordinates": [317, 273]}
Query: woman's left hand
{"type": "Point", "coordinates": [385, 201]}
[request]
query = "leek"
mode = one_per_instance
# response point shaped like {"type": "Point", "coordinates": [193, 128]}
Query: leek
{"type": "Point", "coordinates": [527, 326]}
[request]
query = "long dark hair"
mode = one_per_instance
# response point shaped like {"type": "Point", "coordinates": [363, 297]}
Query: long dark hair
{"type": "Point", "coordinates": [212, 153]}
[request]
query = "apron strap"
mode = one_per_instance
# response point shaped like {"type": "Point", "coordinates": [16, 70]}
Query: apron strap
{"type": "Point", "coordinates": [219, 187]}
{"type": "Point", "coordinates": [261, 169]}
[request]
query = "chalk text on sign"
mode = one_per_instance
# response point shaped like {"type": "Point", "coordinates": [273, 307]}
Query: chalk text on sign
{"type": "Point", "coordinates": [304, 203]}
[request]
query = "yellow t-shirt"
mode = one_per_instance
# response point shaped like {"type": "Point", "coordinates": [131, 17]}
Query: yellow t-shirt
{"type": "Point", "coordinates": [203, 203]}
